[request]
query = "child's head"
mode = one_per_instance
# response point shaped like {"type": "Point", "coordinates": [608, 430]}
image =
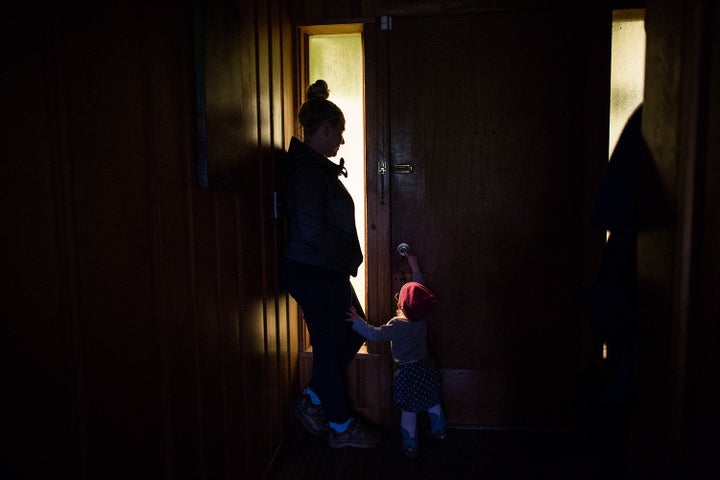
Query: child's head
{"type": "Point", "coordinates": [415, 301]}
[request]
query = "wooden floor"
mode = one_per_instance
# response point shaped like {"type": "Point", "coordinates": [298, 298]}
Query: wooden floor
{"type": "Point", "coordinates": [468, 454]}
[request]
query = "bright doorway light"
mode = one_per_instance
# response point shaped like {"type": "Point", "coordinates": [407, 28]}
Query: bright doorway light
{"type": "Point", "coordinates": [627, 71]}
{"type": "Point", "coordinates": [338, 59]}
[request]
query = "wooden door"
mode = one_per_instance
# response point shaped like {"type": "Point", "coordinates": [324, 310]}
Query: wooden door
{"type": "Point", "coordinates": [499, 118]}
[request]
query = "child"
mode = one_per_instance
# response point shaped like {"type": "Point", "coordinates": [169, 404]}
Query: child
{"type": "Point", "coordinates": [416, 383]}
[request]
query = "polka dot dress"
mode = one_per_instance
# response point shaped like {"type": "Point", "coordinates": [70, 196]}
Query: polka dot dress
{"type": "Point", "coordinates": [416, 386]}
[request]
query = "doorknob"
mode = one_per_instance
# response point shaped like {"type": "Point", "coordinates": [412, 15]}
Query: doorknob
{"type": "Point", "coordinates": [402, 168]}
{"type": "Point", "coordinates": [403, 249]}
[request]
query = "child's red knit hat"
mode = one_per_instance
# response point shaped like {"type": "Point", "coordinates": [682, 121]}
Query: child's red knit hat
{"type": "Point", "coordinates": [415, 301]}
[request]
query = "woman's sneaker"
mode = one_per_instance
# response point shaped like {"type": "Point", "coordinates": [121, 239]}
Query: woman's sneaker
{"type": "Point", "coordinates": [356, 435]}
{"type": "Point", "coordinates": [312, 417]}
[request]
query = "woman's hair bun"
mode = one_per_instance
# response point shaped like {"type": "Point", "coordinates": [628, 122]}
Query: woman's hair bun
{"type": "Point", "coordinates": [318, 109]}
{"type": "Point", "coordinates": [319, 89]}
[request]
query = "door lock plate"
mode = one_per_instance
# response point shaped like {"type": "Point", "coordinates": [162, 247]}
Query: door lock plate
{"type": "Point", "coordinates": [402, 168]}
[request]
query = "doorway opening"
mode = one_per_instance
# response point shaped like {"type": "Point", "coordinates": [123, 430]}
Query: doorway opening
{"type": "Point", "coordinates": [627, 78]}
{"type": "Point", "coordinates": [335, 54]}
{"type": "Point", "coordinates": [627, 70]}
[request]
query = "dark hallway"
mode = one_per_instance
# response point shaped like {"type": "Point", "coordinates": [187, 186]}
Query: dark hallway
{"type": "Point", "coordinates": [146, 333]}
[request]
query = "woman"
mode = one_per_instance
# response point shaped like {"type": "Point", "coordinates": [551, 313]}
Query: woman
{"type": "Point", "coordinates": [321, 254]}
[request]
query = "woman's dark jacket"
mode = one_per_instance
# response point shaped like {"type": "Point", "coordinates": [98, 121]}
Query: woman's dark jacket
{"type": "Point", "coordinates": [320, 212]}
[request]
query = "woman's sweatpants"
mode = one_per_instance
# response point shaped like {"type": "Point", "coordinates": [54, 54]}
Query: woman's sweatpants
{"type": "Point", "coordinates": [324, 304]}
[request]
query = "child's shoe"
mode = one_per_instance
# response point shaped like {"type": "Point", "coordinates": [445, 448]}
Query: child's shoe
{"type": "Point", "coordinates": [409, 445]}
{"type": "Point", "coordinates": [438, 426]}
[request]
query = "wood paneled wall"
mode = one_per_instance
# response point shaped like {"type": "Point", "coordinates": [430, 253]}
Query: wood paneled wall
{"type": "Point", "coordinates": [145, 331]}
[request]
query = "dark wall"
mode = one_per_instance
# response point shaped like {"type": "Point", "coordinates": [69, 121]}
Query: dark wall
{"type": "Point", "coordinates": [675, 410]}
{"type": "Point", "coordinates": [145, 331]}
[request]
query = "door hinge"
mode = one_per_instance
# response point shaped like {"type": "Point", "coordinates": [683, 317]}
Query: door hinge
{"type": "Point", "coordinates": [386, 22]}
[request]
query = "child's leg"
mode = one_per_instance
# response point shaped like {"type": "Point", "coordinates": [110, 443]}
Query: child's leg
{"type": "Point", "coordinates": [408, 430]}
{"type": "Point", "coordinates": [438, 424]}
{"type": "Point", "coordinates": [436, 410]}
{"type": "Point", "coordinates": [408, 422]}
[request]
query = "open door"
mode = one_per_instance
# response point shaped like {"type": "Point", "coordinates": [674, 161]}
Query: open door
{"type": "Point", "coordinates": [497, 134]}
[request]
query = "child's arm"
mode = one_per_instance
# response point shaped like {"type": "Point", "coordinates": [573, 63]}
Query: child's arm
{"type": "Point", "coordinates": [415, 268]}
{"type": "Point", "coordinates": [360, 325]}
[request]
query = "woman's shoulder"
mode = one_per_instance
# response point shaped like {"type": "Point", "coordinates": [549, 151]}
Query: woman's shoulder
{"type": "Point", "coordinates": [301, 157]}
